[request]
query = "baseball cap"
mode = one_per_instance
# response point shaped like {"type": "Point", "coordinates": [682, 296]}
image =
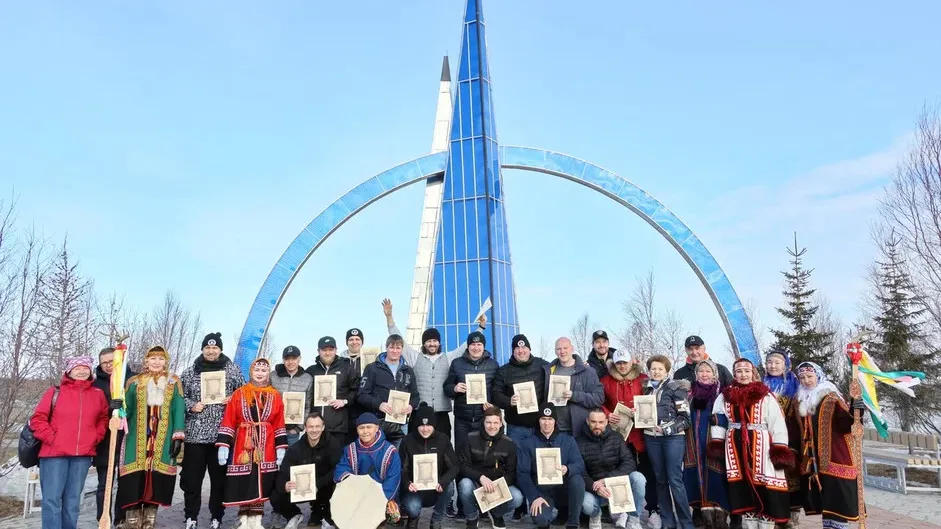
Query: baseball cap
{"type": "Point", "coordinates": [327, 341]}
{"type": "Point", "coordinates": [694, 340]}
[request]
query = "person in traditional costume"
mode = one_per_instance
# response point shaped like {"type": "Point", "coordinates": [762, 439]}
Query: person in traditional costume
{"type": "Point", "coordinates": [782, 381]}
{"type": "Point", "coordinates": [374, 456]}
{"type": "Point", "coordinates": [704, 480]}
{"type": "Point", "coordinates": [750, 435]}
{"type": "Point", "coordinates": [155, 433]}
{"type": "Point", "coordinates": [252, 430]}
{"type": "Point", "coordinates": [828, 469]}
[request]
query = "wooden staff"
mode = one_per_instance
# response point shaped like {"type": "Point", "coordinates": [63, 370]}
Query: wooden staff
{"type": "Point", "coordinates": [854, 350]}
{"type": "Point", "coordinates": [113, 424]}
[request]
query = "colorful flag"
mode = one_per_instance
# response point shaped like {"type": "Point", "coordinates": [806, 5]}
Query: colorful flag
{"type": "Point", "coordinates": [869, 373]}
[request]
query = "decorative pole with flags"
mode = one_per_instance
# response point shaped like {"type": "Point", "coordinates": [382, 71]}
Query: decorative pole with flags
{"type": "Point", "coordinates": [855, 352]}
{"type": "Point", "coordinates": [118, 372]}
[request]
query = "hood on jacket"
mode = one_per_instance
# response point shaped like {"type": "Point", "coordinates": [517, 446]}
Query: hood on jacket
{"type": "Point", "coordinates": [380, 440]}
{"type": "Point", "coordinates": [631, 375]}
{"type": "Point", "coordinates": [382, 359]}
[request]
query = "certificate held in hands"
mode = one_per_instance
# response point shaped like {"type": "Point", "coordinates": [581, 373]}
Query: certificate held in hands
{"type": "Point", "coordinates": [398, 400]}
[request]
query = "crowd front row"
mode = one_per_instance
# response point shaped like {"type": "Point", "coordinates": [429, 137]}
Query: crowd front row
{"type": "Point", "coordinates": [727, 449]}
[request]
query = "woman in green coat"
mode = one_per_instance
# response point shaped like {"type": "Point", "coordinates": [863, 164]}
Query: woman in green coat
{"type": "Point", "coordinates": [155, 411]}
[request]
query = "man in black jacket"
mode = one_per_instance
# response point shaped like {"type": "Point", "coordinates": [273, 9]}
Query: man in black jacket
{"type": "Point", "coordinates": [103, 381]}
{"type": "Point", "coordinates": [475, 361]}
{"type": "Point", "coordinates": [336, 415]}
{"type": "Point", "coordinates": [388, 372]}
{"type": "Point", "coordinates": [523, 367]}
{"type": "Point", "coordinates": [600, 353]}
{"type": "Point", "coordinates": [315, 448]}
{"type": "Point", "coordinates": [487, 456]}
{"type": "Point", "coordinates": [606, 455]}
{"type": "Point", "coordinates": [424, 439]}
{"type": "Point", "coordinates": [695, 353]}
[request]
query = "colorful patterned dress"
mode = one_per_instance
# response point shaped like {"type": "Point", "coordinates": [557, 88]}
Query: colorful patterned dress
{"type": "Point", "coordinates": [147, 472]}
{"type": "Point", "coordinates": [253, 429]}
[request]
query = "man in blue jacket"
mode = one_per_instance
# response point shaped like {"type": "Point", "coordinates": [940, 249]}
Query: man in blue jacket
{"type": "Point", "coordinates": [585, 391]}
{"type": "Point", "coordinates": [371, 455]}
{"type": "Point", "coordinates": [388, 372]}
{"type": "Point", "coordinates": [544, 499]}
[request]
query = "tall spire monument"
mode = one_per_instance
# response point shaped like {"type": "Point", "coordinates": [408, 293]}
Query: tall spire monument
{"type": "Point", "coordinates": [472, 252]}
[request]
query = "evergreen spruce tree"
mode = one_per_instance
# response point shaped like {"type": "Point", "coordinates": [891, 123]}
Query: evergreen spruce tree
{"type": "Point", "coordinates": [806, 342]}
{"type": "Point", "coordinates": [900, 343]}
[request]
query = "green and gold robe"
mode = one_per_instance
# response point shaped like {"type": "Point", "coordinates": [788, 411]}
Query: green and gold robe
{"type": "Point", "coordinates": [147, 473]}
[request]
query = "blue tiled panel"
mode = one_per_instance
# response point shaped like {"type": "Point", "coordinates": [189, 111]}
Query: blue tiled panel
{"type": "Point", "coordinates": [473, 183]}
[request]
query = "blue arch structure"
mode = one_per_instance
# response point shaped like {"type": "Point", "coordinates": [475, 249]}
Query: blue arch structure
{"type": "Point", "coordinates": [624, 192]}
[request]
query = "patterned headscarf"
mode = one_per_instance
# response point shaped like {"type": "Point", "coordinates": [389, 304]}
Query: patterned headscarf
{"type": "Point", "coordinates": [75, 361]}
{"type": "Point", "coordinates": [809, 398]}
{"type": "Point", "coordinates": [783, 385]}
{"type": "Point", "coordinates": [706, 393]}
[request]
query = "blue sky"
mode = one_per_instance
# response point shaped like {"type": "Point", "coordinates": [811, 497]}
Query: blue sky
{"type": "Point", "coordinates": [183, 145]}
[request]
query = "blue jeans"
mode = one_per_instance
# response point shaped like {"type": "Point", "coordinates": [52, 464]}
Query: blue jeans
{"type": "Point", "coordinates": [571, 492]}
{"type": "Point", "coordinates": [61, 480]}
{"type": "Point", "coordinates": [593, 503]}
{"type": "Point", "coordinates": [465, 492]}
{"type": "Point", "coordinates": [666, 455]}
{"type": "Point", "coordinates": [414, 502]}
{"type": "Point", "coordinates": [518, 433]}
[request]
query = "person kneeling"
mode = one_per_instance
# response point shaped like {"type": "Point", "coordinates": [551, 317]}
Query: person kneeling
{"type": "Point", "coordinates": [371, 454]}
{"type": "Point", "coordinates": [315, 448]}
{"type": "Point", "coordinates": [424, 439]}
{"type": "Point", "coordinates": [543, 499]}
{"type": "Point", "coordinates": [487, 456]}
{"type": "Point", "coordinates": [606, 455]}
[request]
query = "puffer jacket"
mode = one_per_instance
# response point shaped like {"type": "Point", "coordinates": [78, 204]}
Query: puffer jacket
{"type": "Point", "coordinates": [672, 407]}
{"type": "Point", "coordinates": [79, 419]}
{"type": "Point", "coordinates": [605, 455]}
{"type": "Point", "coordinates": [336, 421]}
{"type": "Point", "coordinates": [623, 389]}
{"type": "Point", "coordinates": [515, 372]}
{"type": "Point", "coordinates": [587, 393]}
{"type": "Point", "coordinates": [494, 457]}
{"type": "Point", "coordinates": [283, 381]}
{"type": "Point", "coordinates": [460, 368]}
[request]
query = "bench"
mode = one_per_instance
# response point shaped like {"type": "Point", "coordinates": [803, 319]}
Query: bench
{"type": "Point", "coordinates": [913, 450]}
{"type": "Point", "coordinates": [31, 504]}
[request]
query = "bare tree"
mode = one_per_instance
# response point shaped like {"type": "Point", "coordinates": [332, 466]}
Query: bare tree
{"type": "Point", "coordinates": [60, 306]}
{"type": "Point", "coordinates": [268, 347]}
{"type": "Point", "coordinates": [837, 368]}
{"type": "Point", "coordinates": [174, 327]}
{"type": "Point", "coordinates": [581, 335]}
{"type": "Point", "coordinates": [23, 271]}
{"type": "Point", "coordinates": [546, 349]}
{"type": "Point", "coordinates": [912, 207]}
{"type": "Point", "coordinates": [754, 317]}
{"type": "Point", "coordinates": [649, 330]}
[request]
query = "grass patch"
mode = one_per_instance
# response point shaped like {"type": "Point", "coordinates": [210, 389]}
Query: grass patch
{"type": "Point", "coordinates": [10, 506]}
{"type": "Point", "coordinates": [919, 476]}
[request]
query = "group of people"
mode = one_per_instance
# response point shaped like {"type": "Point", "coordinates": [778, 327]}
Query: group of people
{"type": "Point", "coordinates": [727, 449]}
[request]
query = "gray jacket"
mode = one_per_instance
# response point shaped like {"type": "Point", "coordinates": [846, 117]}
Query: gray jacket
{"type": "Point", "coordinates": [587, 392]}
{"type": "Point", "coordinates": [300, 381]}
{"type": "Point", "coordinates": [430, 372]}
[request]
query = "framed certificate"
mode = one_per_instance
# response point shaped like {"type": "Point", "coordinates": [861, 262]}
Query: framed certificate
{"type": "Point", "coordinates": [528, 402]}
{"type": "Point", "coordinates": [212, 387]}
{"type": "Point", "coordinates": [305, 483]}
{"type": "Point", "coordinates": [325, 389]}
{"type": "Point", "coordinates": [476, 388]}
{"type": "Point", "coordinates": [622, 497]}
{"type": "Point", "coordinates": [558, 385]}
{"type": "Point", "coordinates": [294, 412]}
{"type": "Point", "coordinates": [425, 471]}
{"type": "Point", "coordinates": [399, 401]}
{"type": "Point", "coordinates": [549, 466]}
{"type": "Point", "coordinates": [645, 411]}
{"type": "Point", "coordinates": [625, 420]}
{"type": "Point", "coordinates": [489, 500]}
{"type": "Point", "coordinates": [367, 355]}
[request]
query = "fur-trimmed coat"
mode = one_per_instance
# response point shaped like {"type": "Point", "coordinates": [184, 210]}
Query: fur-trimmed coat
{"type": "Point", "coordinates": [623, 389]}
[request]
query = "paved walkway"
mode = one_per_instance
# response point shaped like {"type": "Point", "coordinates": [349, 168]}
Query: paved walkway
{"type": "Point", "coordinates": [887, 510]}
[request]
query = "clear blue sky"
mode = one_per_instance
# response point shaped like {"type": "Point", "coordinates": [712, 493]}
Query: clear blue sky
{"type": "Point", "coordinates": [183, 145]}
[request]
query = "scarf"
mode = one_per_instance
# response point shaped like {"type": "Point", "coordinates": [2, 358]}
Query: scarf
{"type": "Point", "coordinates": [201, 365]}
{"type": "Point", "coordinates": [808, 399]}
{"type": "Point", "coordinates": [783, 385]}
{"type": "Point", "coordinates": [704, 395]}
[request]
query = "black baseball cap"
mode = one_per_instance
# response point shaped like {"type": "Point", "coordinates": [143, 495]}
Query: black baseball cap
{"type": "Point", "coordinates": [599, 334]}
{"type": "Point", "coordinates": [290, 351]}
{"type": "Point", "coordinates": [326, 341]}
{"type": "Point", "coordinates": [694, 340]}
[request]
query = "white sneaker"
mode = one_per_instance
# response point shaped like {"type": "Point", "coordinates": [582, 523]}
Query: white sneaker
{"type": "Point", "coordinates": [325, 525]}
{"type": "Point", "coordinates": [215, 524]}
{"type": "Point", "coordinates": [595, 522]}
{"type": "Point", "coordinates": [654, 521]}
{"type": "Point", "coordinates": [294, 522]}
{"type": "Point", "coordinates": [243, 522]}
{"type": "Point", "coordinates": [620, 519]}
{"type": "Point", "coordinates": [191, 524]}
{"type": "Point", "coordinates": [633, 522]}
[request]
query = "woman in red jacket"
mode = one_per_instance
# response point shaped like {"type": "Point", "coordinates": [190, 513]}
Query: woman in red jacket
{"type": "Point", "coordinates": [69, 436]}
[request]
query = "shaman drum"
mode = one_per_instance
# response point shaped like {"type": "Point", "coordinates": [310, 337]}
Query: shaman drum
{"type": "Point", "coordinates": [358, 503]}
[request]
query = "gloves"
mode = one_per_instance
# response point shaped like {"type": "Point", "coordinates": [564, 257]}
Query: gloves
{"type": "Point", "coordinates": [115, 404]}
{"type": "Point", "coordinates": [858, 404]}
{"type": "Point", "coordinates": [280, 452]}
{"type": "Point", "coordinates": [223, 455]}
{"type": "Point", "coordinates": [175, 448]}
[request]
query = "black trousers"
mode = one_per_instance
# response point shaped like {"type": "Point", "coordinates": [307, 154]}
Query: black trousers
{"type": "Point", "coordinates": [197, 459]}
{"type": "Point", "coordinates": [319, 508]}
{"type": "Point", "coordinates": [100, 492]}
